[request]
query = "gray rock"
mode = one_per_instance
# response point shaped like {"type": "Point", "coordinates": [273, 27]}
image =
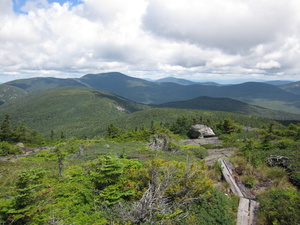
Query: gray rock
{"type": "Point", "coordinates": [200, 131]}
{"type": "Point", "coordinates": [20, 145]}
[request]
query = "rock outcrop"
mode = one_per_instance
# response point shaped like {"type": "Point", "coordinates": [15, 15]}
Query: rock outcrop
{"type": "Point", "coordinates": [200, 131]}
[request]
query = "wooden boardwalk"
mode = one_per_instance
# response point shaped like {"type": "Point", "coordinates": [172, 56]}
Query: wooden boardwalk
{"type": "Point", "coordinates": [247, 207]}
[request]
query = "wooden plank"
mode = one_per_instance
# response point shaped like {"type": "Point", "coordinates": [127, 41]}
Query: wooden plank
{"type": "Point", "coordinates": [227, 175]}
{"type": "Point", "coordinates": [243, 212]}
{"type": "Point", "coordinates": [253, 211]}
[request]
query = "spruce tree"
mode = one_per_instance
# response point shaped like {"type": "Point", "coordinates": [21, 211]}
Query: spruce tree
{"type": "Point", "coordinates": [5, 133]}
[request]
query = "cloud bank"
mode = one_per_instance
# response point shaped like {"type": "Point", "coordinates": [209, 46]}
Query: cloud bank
{"type": "Point", "coordinates": [195, 39]}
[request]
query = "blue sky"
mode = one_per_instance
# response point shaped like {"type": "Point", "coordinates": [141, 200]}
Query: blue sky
{"type": "Point", "coordinates": [18, 4]}
{"type": "Point", "coordinates": [215, 40]}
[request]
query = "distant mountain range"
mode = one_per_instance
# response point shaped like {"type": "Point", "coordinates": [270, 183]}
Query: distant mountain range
{"type": "Point", "coordinates": [283, 97]}
{"type": "Point", "coordinates": [279, 82]}
{"type": "Point", "coordinates": [88, 104]}
{"type": "Point", "coordinates": [184, 81]}
{"type": "Point", "coordinates": [229, 105]}
{"type": "Point", "coordinates": [292, 87]}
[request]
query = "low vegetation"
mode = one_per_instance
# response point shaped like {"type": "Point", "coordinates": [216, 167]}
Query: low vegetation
{"type": "Point", "coordinates": [76, 155]}
{"type": "Point", "coordinates": [126, 178]}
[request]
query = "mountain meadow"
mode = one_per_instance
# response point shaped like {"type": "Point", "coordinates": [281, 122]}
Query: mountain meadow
{"type": "Point", "coordinates": [112, 149]}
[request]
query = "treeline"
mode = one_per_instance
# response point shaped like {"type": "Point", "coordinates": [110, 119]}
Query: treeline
{"type": "Point", "coordinates": [10, 136]}
{"type": "Point", "coordinates": [17, 133]}
{"type": "Point", "coordinates": [179, 127]}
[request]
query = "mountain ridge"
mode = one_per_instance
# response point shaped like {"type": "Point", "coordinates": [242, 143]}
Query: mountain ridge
{"type": "Point", "coordinates": [148, 92]}
{"type": "Point", "coordinates": [229, 105]}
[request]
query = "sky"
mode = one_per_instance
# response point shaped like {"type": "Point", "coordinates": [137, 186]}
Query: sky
{"type": "Point", "coordinates": [216, 40]}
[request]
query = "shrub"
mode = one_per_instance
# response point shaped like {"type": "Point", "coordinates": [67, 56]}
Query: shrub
{"type": "Point", "coordinates": [228, 126]}
{"type": "Point", "coordinates": [198, 151]}
{"type": "Point", "coordinates": [16, 150]}
{"type": "Point", "coordinates": [215, 209]}
{"type": "Point", "coordinates": [249, 180]}
{"type": "Point", "coordinates": [295, 178]}
{"type": "Point", "coordinates": [280, 207]}
{"type": "Point", "coordinates": [5, 148]}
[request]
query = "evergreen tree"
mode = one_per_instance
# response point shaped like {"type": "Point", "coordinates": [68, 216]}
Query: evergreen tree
{"type": "Point", "coordinates": [5, 132]}
{"type": "Point", "coordinates": [112, 131]}
{"type": "Point", "coordinates": [52, 135]}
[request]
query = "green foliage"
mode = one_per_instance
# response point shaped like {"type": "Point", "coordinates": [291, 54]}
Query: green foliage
{"type": "Point", "coordinates": [251, 152]}
{"type": "Point", "coordinates": [77, 111]}
{"type": "Point", "coordinates": [112, 131]}
{"type": "Point", "coordinates": [18, 133]}
{"type": "Point", "coordinates": [215, 209]}
{"type": "Point", "coordinates": [142, 134]}
{"type": "Point", "coordinates": [274, 139]}
{"type": "Point", "coordinates": [108, 174]}
{"type": "Point", "coordinates": [280, 207]}
{"type": "Point", "coordinates": [5, 134]}
{"type": "Point", "coordinates": [198, 151]}
{"type": "Point", "coordinates": [5, 148]}
{"type": "Point", "coordinates": [181, 126]}
{"type": "Point", "coordinates": [295, 178]}
{"type": "Point", "coordinates": [25, 200]}
{"type": "Point", "coordinates": [249, 181]}
{"type": "Point", "coordinates": [10, 93]}
{"type": "Point", "coordinates": [228, 126]}
{"type": "Point", "coordinates": [73, 200]}
{"type": "Point", "coordinates": [94, 186]}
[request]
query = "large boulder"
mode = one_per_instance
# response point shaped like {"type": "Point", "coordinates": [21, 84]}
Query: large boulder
{"type": "Point", "coordinates": [200, 131]}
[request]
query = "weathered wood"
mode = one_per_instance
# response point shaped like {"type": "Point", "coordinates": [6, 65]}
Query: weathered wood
{"type": "Point", "coordinates": [247, 209]}
{"type": "Point", "coordinates": [228, 177]}
{"type": "Point", "coordinates": [243, 212]}
{"type": "Point", "coordinates": [245, 191]}
{"type": "Point", "coordinates": [253, 211]}
{"type": "Point", "coordinates": [229, 166]}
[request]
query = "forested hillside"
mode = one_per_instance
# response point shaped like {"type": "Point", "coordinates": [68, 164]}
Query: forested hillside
{"type": "Point", "coordinates": [230, 105]}
{"type": "Point", "coordinates": [142, 91]}
{"type": "Point", "coordinates": [10, 93]}
{"type": "Point", "coordinates": [76, 111]}
{"type": "Point", "coordinates": [42, 83]}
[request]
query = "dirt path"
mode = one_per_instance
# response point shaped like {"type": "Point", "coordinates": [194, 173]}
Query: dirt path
{"type": "Point", "coordinates": [219, 153]}
{"type": "Point", "coordinates": [215, 152]}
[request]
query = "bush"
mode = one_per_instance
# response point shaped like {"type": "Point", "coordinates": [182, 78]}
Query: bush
{"type": "Point", "coordinates": [280, 207]}
{"type": "Point", "coordinates": [215, 209]}
{"type": "Point", "coordinates": [250, 181]}
{"type": "Point", "coordinates": [228, 126]}
{"type": "Point", "coordinates": [198, 151]}
{"type": "Point", "coordinates": [295, 178]}
{"type": "Point", "coordinates": [5, 148]}
{"type": "Point", "coordinates": [15, 150]}
{"type": "Point", "coordinates": [284, 144]}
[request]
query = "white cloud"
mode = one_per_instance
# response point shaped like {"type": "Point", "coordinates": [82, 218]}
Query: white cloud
{"type": "Point", "coordinates": [230, 25]}
{"type": "Point", "coordinates": [268, 65]}
{"type": "Point", "coordinates": [192, 38]}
